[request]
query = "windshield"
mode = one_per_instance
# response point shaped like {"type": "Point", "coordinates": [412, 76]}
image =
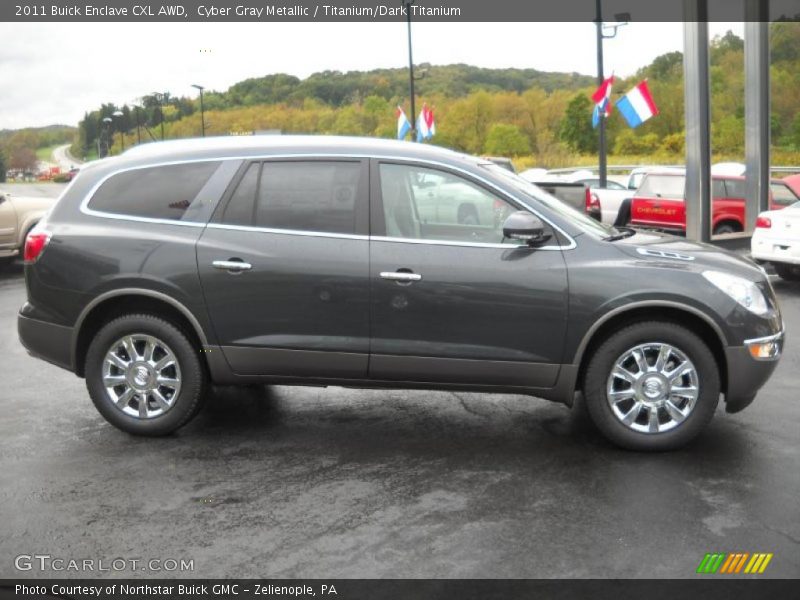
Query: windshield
{"type": "Point", "coordinates": [575, 217]}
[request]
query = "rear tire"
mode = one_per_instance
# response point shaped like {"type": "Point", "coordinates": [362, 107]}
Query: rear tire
{"type": "Point", "coordinates": [676, 361]}
{"type": "Point", "coordinates": [144, 375]}
{"type": "Point", "coordinates": [787, 272]}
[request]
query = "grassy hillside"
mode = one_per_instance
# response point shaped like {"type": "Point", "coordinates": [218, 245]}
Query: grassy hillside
{"type": "Point", "coordinates": [541, 118]}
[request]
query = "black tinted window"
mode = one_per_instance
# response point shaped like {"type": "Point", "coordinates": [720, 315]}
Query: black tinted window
{"type": "Point", "coordinates": [239, 210]}
{"type": "Point", "coordinates": [303, 196]}
{"type": "Point", "coordinates": [166, 192]}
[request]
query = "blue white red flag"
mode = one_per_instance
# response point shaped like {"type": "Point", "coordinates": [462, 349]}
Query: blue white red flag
{"type": "Point", "coordinates": [637, 105]}
{"type": "Point", "coordinates": [403, 126]}
{"type": "Point", "coordinates": [426, 125]}
{"type": "Point", "coordinates": [602, 101]}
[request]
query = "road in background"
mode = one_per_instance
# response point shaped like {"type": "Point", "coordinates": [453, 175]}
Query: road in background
{"type": "Point", "coordinates": [311, 482]}
{"type": "Point", "coordinates": [64, 159]}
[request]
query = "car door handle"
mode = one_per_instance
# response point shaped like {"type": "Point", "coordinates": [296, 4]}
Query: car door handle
{"type": "Point", "coordinates": [401, 276]}
{"type": "Point", "coordinates": [231, 265]}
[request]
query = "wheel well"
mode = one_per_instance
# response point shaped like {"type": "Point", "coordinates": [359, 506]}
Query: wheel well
{"type": "Point", "coordinates": [29, 227]}
{"type": "Point", "coordinates": [737, 227]}
{"type": "Point", "coordinates": [117, 306]}
{"type": "Point", "coordinates": [658, 313]}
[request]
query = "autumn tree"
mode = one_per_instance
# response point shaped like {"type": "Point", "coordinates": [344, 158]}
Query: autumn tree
{"type": "Point", "coordinates": [506, 140]}
{"type": "Point", "coordinates": [576, 127]}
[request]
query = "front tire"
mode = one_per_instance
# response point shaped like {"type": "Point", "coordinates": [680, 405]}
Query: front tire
{"type": "Point", "coordinates": [144, 375]}
{"type": "Point", "coordinates": [652, 386]}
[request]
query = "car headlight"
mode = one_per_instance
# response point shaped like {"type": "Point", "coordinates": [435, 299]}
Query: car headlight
{"type": "Point", "coordinates": [745, 292]}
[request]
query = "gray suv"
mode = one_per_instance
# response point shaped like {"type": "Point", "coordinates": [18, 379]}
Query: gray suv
{"type": "Point", "coordinates": [345, 261]}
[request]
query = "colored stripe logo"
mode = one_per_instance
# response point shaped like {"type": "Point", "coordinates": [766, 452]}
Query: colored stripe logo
{"type": "Point", "coordinates": [734, 563]}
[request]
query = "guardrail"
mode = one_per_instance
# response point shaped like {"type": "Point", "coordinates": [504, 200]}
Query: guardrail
{"type": "Point", "coordinates": [622, 168]}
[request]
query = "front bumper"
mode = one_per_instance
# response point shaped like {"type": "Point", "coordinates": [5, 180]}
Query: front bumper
{"type": "Point", "coordinates": [47, 341]}
{"type": "Point", "coordinates": [746, 374]}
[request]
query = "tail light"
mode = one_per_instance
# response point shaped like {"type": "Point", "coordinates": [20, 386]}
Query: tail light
{"type": "Point", "coordinates": [592, 204]}
{"type": "Point", "coordinates": [35, 244]}
{"type": "Point", "coordinates": [764, 222]}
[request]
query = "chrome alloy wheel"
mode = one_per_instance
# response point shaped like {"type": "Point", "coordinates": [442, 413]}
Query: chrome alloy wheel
{"type": "Point", "coordinates": [141, 376]}
{"type": "Point", "coordinates": [652, 387]}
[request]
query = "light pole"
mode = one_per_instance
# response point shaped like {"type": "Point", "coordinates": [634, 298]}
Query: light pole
{"type": "Point", "coordinates": [622, 19]}
{"type": "Point", "coordinates": [107, 121]}
{"type": "Point", "coordinates": [202, 109]}
{"type": "Point", "coordinates": [407, 4]}
{"type": "Point", "coordinates": [120, 114]}
{"type": "Point", "coordinates": [138, 125]}
{"type": "Point", "coordinates": [160, 99]}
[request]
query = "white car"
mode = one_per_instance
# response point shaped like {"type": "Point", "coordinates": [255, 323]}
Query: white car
{"type": "Point", "coordinates": [776, 240]}
{"type": "Point", "coordinates": [610, 197]}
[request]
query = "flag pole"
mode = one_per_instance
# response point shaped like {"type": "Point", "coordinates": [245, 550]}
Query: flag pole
{"type": "Point", "coordinates": [603, 166]}
{"type": "Point", "coordinates": [413, 120]}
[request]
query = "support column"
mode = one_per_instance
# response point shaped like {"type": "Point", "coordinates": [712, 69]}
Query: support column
{"type": "Point", "coordinates": [698, 120]}
{"type": "Point", "coordinates": [757, 107]}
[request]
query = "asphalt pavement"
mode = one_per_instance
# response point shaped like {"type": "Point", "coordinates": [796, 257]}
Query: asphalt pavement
{"type": "Point", "coordinates": [313, 482]}
{"type": "Point", "coordinates": [39, 189]}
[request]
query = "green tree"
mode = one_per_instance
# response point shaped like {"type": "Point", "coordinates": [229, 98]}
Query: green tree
{"type": "Point", "coordinates": [2, 166]}
{"type": "Point", "coordinates": [506, 140]}
{"type": "Point", "coordinates": [794, 135]}
{"type": "Point", "coordinates": [576, 126]}
{"type": "Point", "coordinates": [666, 66]}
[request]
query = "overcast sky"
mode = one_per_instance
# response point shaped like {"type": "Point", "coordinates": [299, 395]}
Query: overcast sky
{"type": "Point", "coordinates": [54, 72]}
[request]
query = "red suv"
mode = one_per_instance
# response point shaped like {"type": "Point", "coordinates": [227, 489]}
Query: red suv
{"type": "Point", "coordinates": [659, 203]}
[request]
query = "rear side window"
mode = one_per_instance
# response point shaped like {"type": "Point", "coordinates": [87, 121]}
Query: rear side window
{"type": "Point", "coordinates": [782, 195]}
{"type": "Point", "coordinates": [718, 188]}
{"type": "Point", "coordinates": [315, 196]}
{"type": "Point", "coordinates": [663, 186]}
{"type": "Point", "coordinates": [164, 192]}
{"type": "Point", "coordinates": [735, 188]}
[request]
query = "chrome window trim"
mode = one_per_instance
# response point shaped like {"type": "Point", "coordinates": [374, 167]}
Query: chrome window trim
{"type": "Point", "coordinates": [380, 238]}
{"type": "Point", "coordinates": [373, 238]}
{"type": "Point", "coordinates": [84, 206]}
{"type": "Point", "coordinates": [344, 236]}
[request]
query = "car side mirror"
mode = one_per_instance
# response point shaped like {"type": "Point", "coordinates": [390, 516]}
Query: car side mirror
{"type": "Point", "coordinates": [524, 226]}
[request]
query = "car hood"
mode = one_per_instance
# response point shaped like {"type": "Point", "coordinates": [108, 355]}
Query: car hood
{"type": "Point", "coordinates": [675, 252]}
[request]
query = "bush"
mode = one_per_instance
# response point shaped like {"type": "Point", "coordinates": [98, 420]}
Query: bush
{"type": "Point", "coordinates": [628, 142]}
{"type": "Point", "coordinates": [506, 140]}
{"type": "Point", "coordinates": [674, 143]}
